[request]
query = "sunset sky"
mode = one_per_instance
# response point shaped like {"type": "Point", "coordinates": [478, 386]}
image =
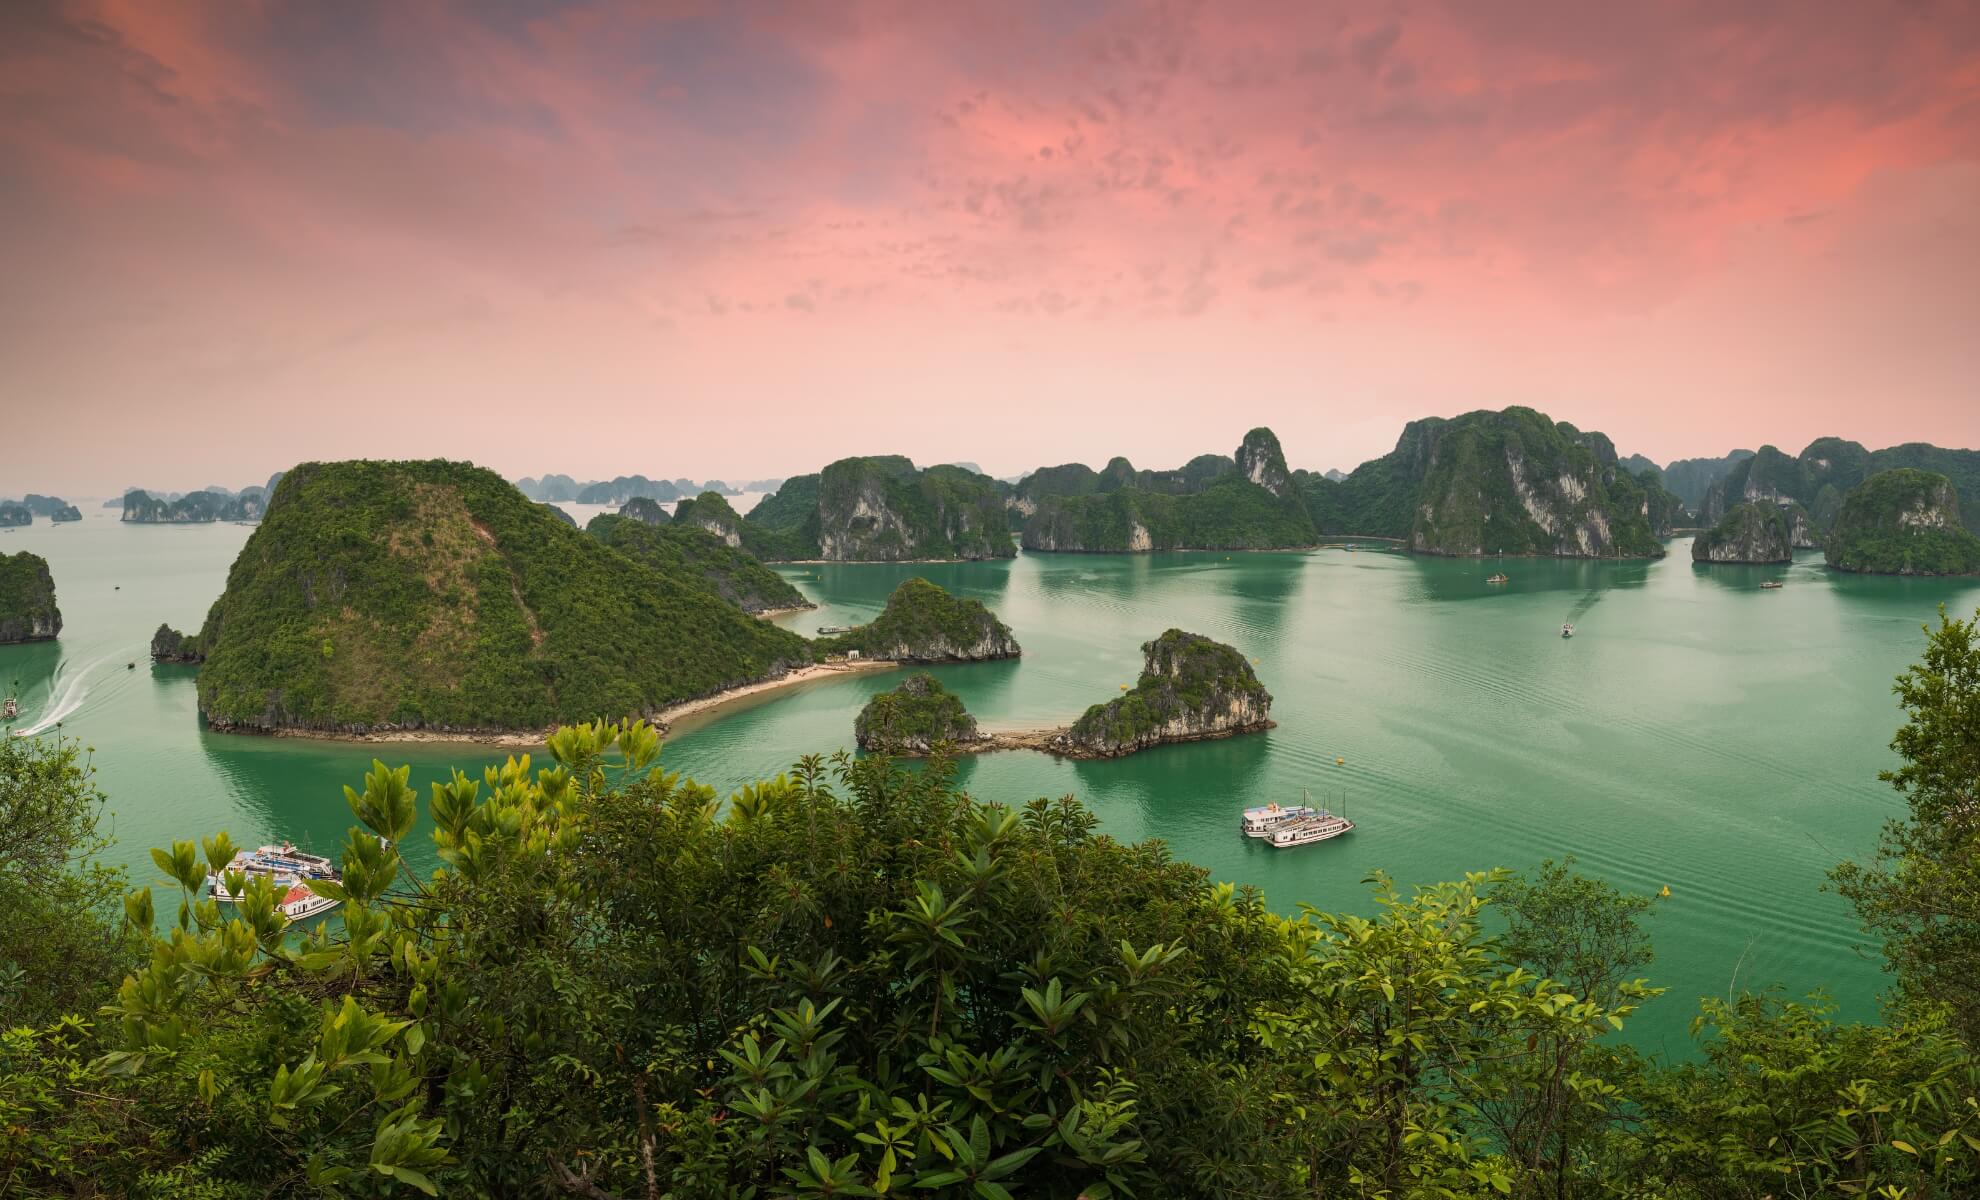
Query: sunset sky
{"type": "Point", "coordinates": [742, 239]}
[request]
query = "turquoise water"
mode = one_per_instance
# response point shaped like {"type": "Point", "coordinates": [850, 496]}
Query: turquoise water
{"type": "Point", "coordinates": [1698, 732]}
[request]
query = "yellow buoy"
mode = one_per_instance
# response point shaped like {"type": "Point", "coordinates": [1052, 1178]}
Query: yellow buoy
{"type": "Point", "coordinates": [1340, 762]}
{"type": "Point", "coordinates": [1666, 893]}
{"type": "Point", "coordinates": [1124, 687]}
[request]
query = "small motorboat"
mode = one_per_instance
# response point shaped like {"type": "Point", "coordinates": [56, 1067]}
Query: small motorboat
{"type": "Point", "coordinates": [1770, 584]}
{"type": "Point", "coordinates": [1567, 629]}
{"type": "Point", "coordinates": [1498, 579]}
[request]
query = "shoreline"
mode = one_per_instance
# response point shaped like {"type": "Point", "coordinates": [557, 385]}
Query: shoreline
{"type": "Point", "coordinates": [665, 718]}
{"type": "Point", "coordinates": [771, 614]}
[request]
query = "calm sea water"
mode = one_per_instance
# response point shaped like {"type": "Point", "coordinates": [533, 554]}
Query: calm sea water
{"type": "Point", "coordinates": [1697, 732]}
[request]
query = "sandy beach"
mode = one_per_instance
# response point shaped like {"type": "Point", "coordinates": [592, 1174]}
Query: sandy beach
{"type": "Point", "coordinates": [667, 716]}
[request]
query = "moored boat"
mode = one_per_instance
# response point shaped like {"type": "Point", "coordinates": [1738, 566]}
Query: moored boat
{"type": "Point", "coordinates": [284, 865]}
{"type": "Point", "coordinates": [1502, 578]}
{"type": "Point", "coordinates": [1260, 822]}
{"type": "Point", "coordinates": [1770, 584]}
{"type": "Point", "coordinates": [1319, 827]}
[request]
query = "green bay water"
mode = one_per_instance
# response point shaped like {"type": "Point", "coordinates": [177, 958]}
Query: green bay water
{"type": "Point", "coordinates": [1698, 732]}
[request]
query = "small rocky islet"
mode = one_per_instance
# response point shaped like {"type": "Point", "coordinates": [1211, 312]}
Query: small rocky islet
{"type": "Point", "coordinates": [27, 599]}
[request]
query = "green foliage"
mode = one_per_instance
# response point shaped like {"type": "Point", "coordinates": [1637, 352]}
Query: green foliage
{"type": "Point", "coordinates": [923, 623]}
{"type": "Point", "coordinates": [686, 551]}
{"type": "Point", "coordinates": [61, 940]}
{"type": "Point", "coordinates": [881, 509]}
{"type": "Point", "coordinates": [27, 599]}
{"type": "Point", "coordinates": [1903, 522]}
{"type": "Point", "coordinates": [914, 718]}
{"type": "Point", "coordinates": [1921, 893]}
{"type": "Point", "coordinates": [1186, 680]}
{"type": "Point", "coordinates": [506, 618]}
{"type": "Point", "coordinates": [1824, 473]}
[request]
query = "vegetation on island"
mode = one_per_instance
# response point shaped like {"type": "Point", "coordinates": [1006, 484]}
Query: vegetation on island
{"type": "Point", "coordinates": [1824, 473]}
{"type": "Point", "coordinates": [27, 599]}
{"type": "Point", "coordinates": [54, 508]}
{"type": "Point", "coordinates": [684, 550]}
{"type": "Point", "coordinates": [643, 508]}
{"type": "Point", "coordinates": [168, 645]}
{"type": "Point", "coordinates": [1190, 688]}
{"type": "Point", "coordinates": [1755, 532]}
{"type": "Point", "coordinates": [434, 595]}
{"type": "Point", "coordinates": [1689, 479]}
{"type": "Point", "coordinates": [1903, 522]}
{"type": "Point", "coordinates": [860, 980]}
{"type": "Point", "coordinates": [914, 718]}
{"type": "Point", "coordinates": [193, 508]}
{"type": "Point", "coordinates": [1247, 502]}
{"type": "Point", "coordinates": [922, 622]}
{"type": "Point", "coordinates": [1510, 482]}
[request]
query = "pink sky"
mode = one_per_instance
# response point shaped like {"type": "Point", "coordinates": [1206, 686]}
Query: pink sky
{"type": "Point", "coordinates": [739, 239]}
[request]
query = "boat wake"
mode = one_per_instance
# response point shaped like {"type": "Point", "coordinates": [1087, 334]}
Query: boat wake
{"type": "Point", "coordinates": [1588, 600]}
{"type": "Point", "coordinates": [66, 693]}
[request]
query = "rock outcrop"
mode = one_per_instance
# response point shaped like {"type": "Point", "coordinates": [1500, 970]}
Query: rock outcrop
{"type": "Point", "coordinates": [1510, 482]}
{"type": "Point", "coordinates": [924, 623]}
{"type": "Point", "coordinates": [53, 507]}
{"type": "Point", "coordinates": [884, 510]}
{"type": "Point", "coordinates": [1191, 689]}
{"type": "Point", "coordinates": [914, 718]}
{"type": "Point", "coordinates": [1903, 522]}
{"type": "Point", "coordinates": [27, 599]}
{"type": "Point", "coordinates": [1754, 532]}
{"type": "Point", "coordinates": [713, 514]}
{"type": "Point", "coordinates": [168, 645]}
{"type": "Point", "coordinates": [12, 514]}
{"type": "Point", "coordinates": [194, 508]}
{"type": "Point", "coordinates": [1250, 501]}
{"type": "Point", "coordinates": [1829, 469]}
{"type": "Point", "coordinates": [646, 510]}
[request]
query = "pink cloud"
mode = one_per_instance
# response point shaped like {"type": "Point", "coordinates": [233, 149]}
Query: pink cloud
{"type": "Point", "coordinates": [1691, 225]}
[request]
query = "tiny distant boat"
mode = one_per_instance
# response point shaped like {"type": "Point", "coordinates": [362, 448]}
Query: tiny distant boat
{"type": "Point", "coordinates": [1498, 579]}
{"type": "Point", "coordinates": [9, 708]}
{"type": "Point", "coordinates": [1770, 584]}
{"type": "Point", "coordinates": [1260, 822]}
{"type": "Point", "coordinates": [830, 629]}
{"type": "Point", "coordinates": [1567, 629]}
{"type": "Point", "coordinates": [130, 666]}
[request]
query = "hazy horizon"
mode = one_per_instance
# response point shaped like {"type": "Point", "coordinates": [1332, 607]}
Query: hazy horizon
{"type": "Point", "coordinates": [741, 240]}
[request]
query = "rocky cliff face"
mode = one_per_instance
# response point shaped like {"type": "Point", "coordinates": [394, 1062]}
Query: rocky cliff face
{"type": "Point", "coordinates": [1903, 522]}
{"type": "Point", "coordinates": [194, 508]}
{"type": "Point", "coordinates": [1515, 482]}
{"type": "Point", "coordinates": [168, 645]}
{"type": "Point", "coordinates": [646, 510]}
{"type": "Point", "coordinates": [923, 623]}
{"type": "Point", "coordinates": [1190, 689]}
{"type": "Point", "coordinates": [15, 514]}
{"type": "Point", "coordinates": [1250, 501]}
{"type": "Point", "coordinates": [884, 510]}
{"type": "Point", "coordinates": [1755, 532]}
{"type": "Point", "coordinates": [711, 513]}
{"type": "Point", "coordinates": [53, 507]}
{"type": "Point", "coordinates": [914, 718]}
{"type": "Point", "coordinates": [27, 599]}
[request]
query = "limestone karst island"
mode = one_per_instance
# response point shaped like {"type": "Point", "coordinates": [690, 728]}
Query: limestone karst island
{"type": "Point", "coordinates": [1124, 600]}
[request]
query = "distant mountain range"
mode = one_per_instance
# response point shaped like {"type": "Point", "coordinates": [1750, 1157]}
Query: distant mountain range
{"type": "Point", "coordinates": [618, 490]}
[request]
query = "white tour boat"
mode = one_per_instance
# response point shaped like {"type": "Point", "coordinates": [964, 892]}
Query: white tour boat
{"type": "Point", "coordinates": [1316, 828]}
{"type": "Point", "coordinates": [1260, 822]}
{"type": "Point", "coordinates": [287, 868]}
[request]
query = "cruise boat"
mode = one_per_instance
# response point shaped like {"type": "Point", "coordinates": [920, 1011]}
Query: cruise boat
{"type": "Point", "coordinates": [1317, 828]}
{"type": "Point", "coordinates": [1770, 584]}
{"type": "Point", "coordinates": [286, 867]}
{"type": "Point", "coordinates": [299, 903]}
{"type": "Point", "coordinates": [1567, 629]}
{"type": "Point", "coordinates": [1260, 822]}
{"type": "Point", "coordinates": [1500, 578]}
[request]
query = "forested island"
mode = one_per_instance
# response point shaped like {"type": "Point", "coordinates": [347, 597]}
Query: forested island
{"type": "Point", "coordinates": [1903, 521]}
{"type": "Point", "coordinates": [1248, 501]}
{"type": "Point", "coordinates": [1191, 689]}
{"type": "Point", "coordinates": [1754, 532]}
{"type": "Point", "coordinates": [54, 508]}
{"type": "Point", "coordinates": [880, 509]}
{"type": "Point", "coordinates": [390, 597]}
{"type": "Point", "coordinates": [27, 599]}
{"type": "Point", "coordinates": [142, 507]}
{"type": "Point", "coordinates": [914, 718]}
{"type": "Point", "coordinates": [924, 623]}
{"type": "Point", "coordinates": [1489, 483]}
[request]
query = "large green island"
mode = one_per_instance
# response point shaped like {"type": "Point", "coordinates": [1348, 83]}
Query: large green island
{"type": "Point", "coordinates": [1903, 522]}
{"type": "Point", "coordinates": [402, 597]}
